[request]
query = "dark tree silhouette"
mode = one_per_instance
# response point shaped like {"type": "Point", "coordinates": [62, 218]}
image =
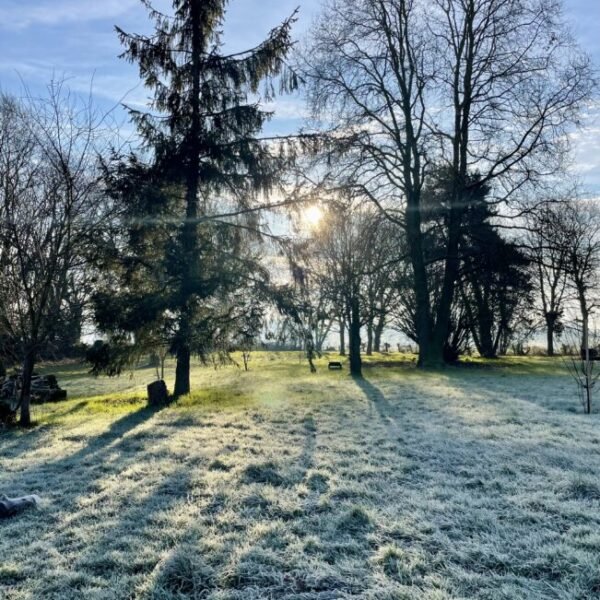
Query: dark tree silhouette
{"type": "Point", "coordinates": [201, 136]}
{"type": "Point", "coordinates": [494, 281]}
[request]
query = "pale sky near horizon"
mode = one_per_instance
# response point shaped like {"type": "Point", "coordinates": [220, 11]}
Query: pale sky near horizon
{"type": "Point", "coordinates": [40, 39]}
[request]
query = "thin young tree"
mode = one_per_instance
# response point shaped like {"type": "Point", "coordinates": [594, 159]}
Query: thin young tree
{"type": "Point", "coordinates": [201, 136]}
{"type": "Point", "coordinates": [357, 282]}
{"type": "Point", "coordinates": [383, 255]}
{"type": "Point", "coordinates": [580, 224]}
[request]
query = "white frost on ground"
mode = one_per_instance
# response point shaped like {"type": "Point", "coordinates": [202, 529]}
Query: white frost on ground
{"type": "Point", "coordinates": [470, 485]}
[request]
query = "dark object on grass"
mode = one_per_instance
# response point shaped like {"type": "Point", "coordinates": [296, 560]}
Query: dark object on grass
{"type": "Point", "coordinates": [158, 394]}
{"type": "Point", "coordinates": [593, 354]}
{"type": "Point", "coordinates": [8, 415]}
{"type": "Point", "coordinates": [335, 365]}
{"type": "Point", "coordinates": [44, 388]}
{"type": "Point", "coordinates": [9, 507]}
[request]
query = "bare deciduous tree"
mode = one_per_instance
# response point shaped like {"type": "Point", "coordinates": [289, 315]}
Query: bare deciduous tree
{"type": "Point", "coordinates": [52, 213]}
{"type": "Point", "coordinates": [549, 253]}
{"type": "Point", "coordinates": [355, 257]}
{"type": "Point", "coordinates": [472, 86]}
{"type": "Point", "coordinates": [575, 232]}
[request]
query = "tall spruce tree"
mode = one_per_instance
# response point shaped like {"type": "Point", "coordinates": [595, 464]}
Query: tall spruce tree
{"type": "Point", "coordinates": [201, 135]}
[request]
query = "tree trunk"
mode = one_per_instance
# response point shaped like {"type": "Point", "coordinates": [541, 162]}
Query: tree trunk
{"type": "Point", "coordinates": [451, 272]}
{"type": "Point", "coordinates": [550, 341]}
{"type": "Point", "coordinates": [370, 338]}
{"type": "Point", "coordinates": [487, 347]}
{"type": "Point", "coordinates": [25, 399]}
{"type": "Point", "coordinates": [550, 325]}
{"type": "Point", "coordinates": [378, 332]}
{"type": "Point", "coordinates": [355, 359]}
{"type": "Point", "coordinates": [423, 324]}
{"type": "Point", "coordinates": [588, 365]}
{"type": "Point", "coordinates": [342, 337]}
{"type": "Point", "coordinates": [190, 270]}
{"type": "Point", "coordinates": [319, 343]}
{"type": "Point", "coordinates": [182, 371]}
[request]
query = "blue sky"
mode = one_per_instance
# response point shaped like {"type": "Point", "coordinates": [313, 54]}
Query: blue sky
{"type": "Point", "coordinates": [75, 38]}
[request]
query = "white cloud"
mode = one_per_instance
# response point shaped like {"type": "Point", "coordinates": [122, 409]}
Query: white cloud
{"type": "Point", "coordinates": [287, 108]}
{"type": "Point", "coordinates": [27, 68]}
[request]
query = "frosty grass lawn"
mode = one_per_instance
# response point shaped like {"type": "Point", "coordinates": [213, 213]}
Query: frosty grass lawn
{"type": "Point", "coordinates": [476, 482]}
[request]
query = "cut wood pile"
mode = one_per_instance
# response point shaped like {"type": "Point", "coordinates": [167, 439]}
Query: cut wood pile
{"type": "Point", "coordinates": [44, 388]}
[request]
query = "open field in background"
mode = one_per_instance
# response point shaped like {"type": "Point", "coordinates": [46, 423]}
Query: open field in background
{"type": "Point", "coordinates": [75, 378]}
{"type": "Point", "coordinates": [475, 482]}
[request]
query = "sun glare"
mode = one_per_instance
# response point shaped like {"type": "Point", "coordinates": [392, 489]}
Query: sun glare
{"type": "Point", "coordinates": [313, 215]}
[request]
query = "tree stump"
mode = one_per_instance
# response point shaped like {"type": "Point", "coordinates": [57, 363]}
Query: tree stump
{"type": "Point", "coordinates": [158, 394]}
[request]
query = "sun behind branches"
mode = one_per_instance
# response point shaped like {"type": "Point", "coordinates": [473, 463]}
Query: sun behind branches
{"type": "Point", "coordinates": [312, 216]}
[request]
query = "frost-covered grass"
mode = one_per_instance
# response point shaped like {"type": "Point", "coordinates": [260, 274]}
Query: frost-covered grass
{"type": "Point", "coordinates": [476, 482]}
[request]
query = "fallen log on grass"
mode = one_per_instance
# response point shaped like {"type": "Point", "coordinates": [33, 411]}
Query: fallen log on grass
{"type": "Point", "coordinates": [9, 507]}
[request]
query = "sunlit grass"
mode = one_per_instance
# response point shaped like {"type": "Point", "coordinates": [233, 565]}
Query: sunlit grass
{"type": "Point", "coordinates": [274, 367]}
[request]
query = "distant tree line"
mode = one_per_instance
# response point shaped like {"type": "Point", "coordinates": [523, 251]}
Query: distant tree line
{"type": "Point", "coordinates": [511, 288]}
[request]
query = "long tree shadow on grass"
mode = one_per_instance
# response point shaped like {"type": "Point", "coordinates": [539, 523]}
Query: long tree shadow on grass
{"type": "Point", "coordinates": [96, 457]}
{"type": "Point", "coordinates": [309, 445]}
{"type": "Point", "coordinates": [460, 435]}
{"type": "Point", "coordinates": [87, 491]}
{"type": "Point", "coordinates": [381, 404]}
{"type": "Point", "coordinates": [13, 439]}
{"type": "Point", "coordinates": [139, 527]}
{"type": "Point", "coordinates": [125, 528]}
{"type": "Point", "coordinates": [464, 474]}
{"type": "Point", "coordinates": [263, 564]}
{"type": "Point", "coordinates": [187, 569]}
